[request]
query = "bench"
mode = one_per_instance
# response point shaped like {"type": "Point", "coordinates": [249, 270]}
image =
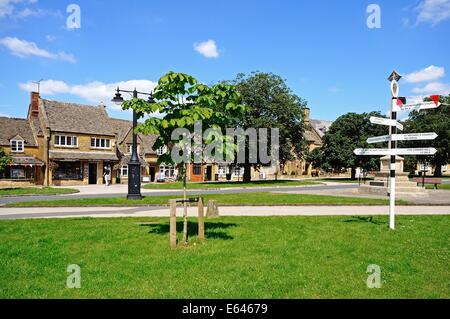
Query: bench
{"type": "Point", "coordinates": [429, 181]}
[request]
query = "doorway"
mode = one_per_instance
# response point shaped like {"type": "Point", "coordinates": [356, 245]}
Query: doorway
{"type": "Point", "coordinates": [209, 173]}
{"type": "Point", "coordinates": [152, 173]}
{"type": "Point", "coordinates": [92, 173]}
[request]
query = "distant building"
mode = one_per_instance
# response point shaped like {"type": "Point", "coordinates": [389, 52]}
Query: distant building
{"type": "Point", "coordinates": [321, 126]}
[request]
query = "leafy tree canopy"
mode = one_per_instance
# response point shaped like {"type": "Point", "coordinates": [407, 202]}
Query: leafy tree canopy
{"type": "Point", "coordinates": [182, 100]}
{"type": "Point", "coordinates": [271, 104]}
{"type": "Point", "coordinates": [348, 132]}
{"type": "Point", "coordinates": [4, 159]}
{"type": "Point", "coordinates": [428, 121]}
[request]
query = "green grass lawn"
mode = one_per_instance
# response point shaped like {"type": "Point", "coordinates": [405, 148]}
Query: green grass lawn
{"type": "Point", "coordinates": [442, 186]}
{"type": "Point", "coordinates": [223, 199]}
{"type": "Point", "coordinates": [243, 257]}
{"type": "Point", "coordinates": [209, 185]}
{"type": "Point", "coordinates": [37, 191]}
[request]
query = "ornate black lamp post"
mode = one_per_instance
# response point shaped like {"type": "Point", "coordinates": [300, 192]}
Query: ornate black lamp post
{"type": "Point", "coordinates": [134, 165]}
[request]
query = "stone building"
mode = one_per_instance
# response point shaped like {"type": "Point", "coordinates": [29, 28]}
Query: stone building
{"type": "Point", "coordinates": [70, 144]}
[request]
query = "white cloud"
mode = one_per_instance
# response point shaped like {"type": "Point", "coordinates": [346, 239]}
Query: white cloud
{"type": "Point", "coordinates": [93, 92]}
{"type": "Point", "coordinates": [208, 49]}
{"type": "Point", "coordinates": [430, 73]}
{"type": "Point", "coordinates": [433, 11]}
{"type": "Point", "coordinates": [433, 88]}
{"type": "Point", "coordinates": [23, 49]}
{"type": "Point", "coordinates": [27, 12]}
{"type": "Point", "coordinates": [8, 7]}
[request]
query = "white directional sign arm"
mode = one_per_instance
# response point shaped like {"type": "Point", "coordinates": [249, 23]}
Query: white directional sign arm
{"type": "Point", "coordinates": [403, 137]}
{"type": "Point", "coordinates": [387, 122]}
{"type": "Point", "coordinates": [395, 151]}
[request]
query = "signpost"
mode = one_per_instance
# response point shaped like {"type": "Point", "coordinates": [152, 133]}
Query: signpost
{"type": "Point", "coordinates": [398, 104]}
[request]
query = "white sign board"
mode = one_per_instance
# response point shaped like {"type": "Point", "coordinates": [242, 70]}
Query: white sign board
{"type": "Point", "coordinates": [416, 106]}
{"type": "Point", "coordinates": [414, 151]}
{"type": "Point", "coordinates": [395, 151]}
{"type": "Point", "coordinates": [388, 122]}
{"type": "Point", "coordinates": [414, 137]}
{"type": "Point", "coordinates": [378, 139]}
{"type": "Point", "coordinates": [372, 151]}
{"type": "Point", "coordinates": [403, 137]}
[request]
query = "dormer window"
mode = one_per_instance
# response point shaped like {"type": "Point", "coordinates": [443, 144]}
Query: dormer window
{"type": "Point", "coordinates": [130, 149]}
{"type": "Point", "coordinates": [17, 146]}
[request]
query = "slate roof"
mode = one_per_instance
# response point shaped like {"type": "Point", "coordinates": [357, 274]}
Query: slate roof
{"type": "Point", "coordinates": [26, 160]}
{"type": "Point", "coordinates": [125, 159]}
{"type": "Point", "coordinates": [36, 125]}
{"type": "Point", "coordinates": [77, 118]}
{"type": "Point", "coordinates": [12, 127]}
{"type": "Point", "coordinates": [311, 135]}
{"type": "Point", "coordinates": [99, 156]}
{"type": "Point", "coordinates": [124, 135]}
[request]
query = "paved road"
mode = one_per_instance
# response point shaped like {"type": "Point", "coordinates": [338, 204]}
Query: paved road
{"type": "Point", "coordinates": [96, 212]}
{"type": "Point", "coordinates": [110, 192]}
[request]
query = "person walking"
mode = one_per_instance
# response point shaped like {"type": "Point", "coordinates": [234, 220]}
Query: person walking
{"type": "Point", "coordinates": [107, 175]}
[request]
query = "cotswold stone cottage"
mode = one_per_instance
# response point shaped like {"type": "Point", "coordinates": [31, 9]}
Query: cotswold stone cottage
{"type": "Point", "coordinates": [70, 144]}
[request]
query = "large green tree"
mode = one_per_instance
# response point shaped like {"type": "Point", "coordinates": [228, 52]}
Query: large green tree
{"type": "Point", "coordinates": [433, 120]}
{"type": "Point", "coordinates": [270, 103]}
{"type": "Point", "coordinates": [348, 132]}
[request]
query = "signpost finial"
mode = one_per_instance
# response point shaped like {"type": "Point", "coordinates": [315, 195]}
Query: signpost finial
{"type": "Point", "coordinates": [394, 76]}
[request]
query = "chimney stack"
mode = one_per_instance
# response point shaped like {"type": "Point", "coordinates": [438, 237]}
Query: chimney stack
{"type": "Point", "coordinates": [34, 104]}
{"type": "Point", "coordinates": [306, 118]}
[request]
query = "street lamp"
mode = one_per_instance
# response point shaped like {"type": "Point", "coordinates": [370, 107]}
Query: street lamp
{"type": "Point", "coordinates": [134, 165]}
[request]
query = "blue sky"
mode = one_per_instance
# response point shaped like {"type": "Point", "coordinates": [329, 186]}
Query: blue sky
{"type": "Point", "coordinates": [324, 49]}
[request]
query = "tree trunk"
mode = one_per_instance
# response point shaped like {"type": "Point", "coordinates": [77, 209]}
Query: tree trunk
{"type": "Point", "coordinates": [247, 173]}
{"type": "Point", "coordinates": [438, 170]}
{"type": "Point", "coordinates": [185, 221]}
{"type": "Point", "coordinates": [353, 173]}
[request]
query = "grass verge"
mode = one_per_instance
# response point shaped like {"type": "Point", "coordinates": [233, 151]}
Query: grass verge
{"type": "Point", "coordinates": [36, 191]}
{"type": "Point", "coordinates": [212, 185]}
{"type": "Point", "coordinates": [223, 199]}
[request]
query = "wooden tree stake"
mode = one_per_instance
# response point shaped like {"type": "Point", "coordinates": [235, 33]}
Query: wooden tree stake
{"type": "Point", "coordinates": [173, 223]}
{"type": "Point", "coordinates": [201, 220]}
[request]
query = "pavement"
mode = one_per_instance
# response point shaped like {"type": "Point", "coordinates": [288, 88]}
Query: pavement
{"type": "Point", "coordinates": [110, 212]}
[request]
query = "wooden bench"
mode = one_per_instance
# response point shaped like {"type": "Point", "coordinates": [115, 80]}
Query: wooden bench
{"type": "Point", "coordinates": [428, 181]}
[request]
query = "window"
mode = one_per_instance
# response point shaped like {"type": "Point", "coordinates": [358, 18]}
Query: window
{"type": "Point", "coordinates": [66, 141]}
{"type": "Point", "coordinates": [223, 170]}
{"type": "Point", "coordinates": [238, 171]}
{"type": "Point", "coordinates": [124, 171]}
{"type": "Point", "coordinates": [166, 171]}
{"type": "Point", "coordinates": [130, 149]}
{"type": "Point", "coordinates": [17, 146]}
{"type": "Point", "coordinates": [68, 170]}
{"type": "Point", "coordinates": [17, 173]}
{"type": "Point", "coordinates": [197, 169]}
{"type": "Point", "coordinates": [100, 142]}
{"type": "Point", "coordinates": [161, 151]}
